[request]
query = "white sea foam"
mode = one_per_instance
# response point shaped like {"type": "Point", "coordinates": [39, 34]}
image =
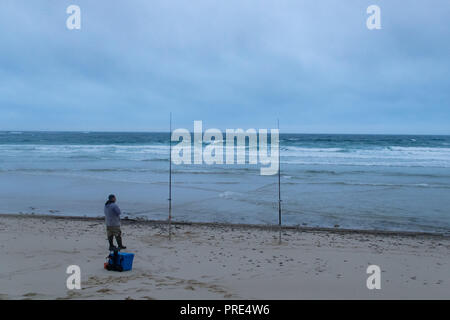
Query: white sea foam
{"type": "Point", "coordinates": [389, 156]}
{"type": "Point", "coordinates": [386, 156]}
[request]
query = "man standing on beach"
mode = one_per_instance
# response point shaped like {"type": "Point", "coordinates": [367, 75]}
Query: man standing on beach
{"type": "Point", "coordinates": [112, 217]}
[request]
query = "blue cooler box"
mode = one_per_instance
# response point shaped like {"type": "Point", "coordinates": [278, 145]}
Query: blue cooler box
{"type": "Point", "coordinates": [126, 260]}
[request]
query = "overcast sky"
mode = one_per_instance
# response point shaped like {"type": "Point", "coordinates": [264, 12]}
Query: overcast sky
{"type": "Point", "coordinates": [233, 64]}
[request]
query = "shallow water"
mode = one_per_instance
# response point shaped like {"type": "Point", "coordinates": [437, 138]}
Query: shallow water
{"type": "Point", "coordinates": [353, 181]}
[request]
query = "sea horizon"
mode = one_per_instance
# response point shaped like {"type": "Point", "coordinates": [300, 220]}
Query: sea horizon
{"type": "Point", "coordinates": [168, 131]}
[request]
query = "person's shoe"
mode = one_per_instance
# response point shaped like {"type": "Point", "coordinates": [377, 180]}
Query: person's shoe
{"type": "Point", "coordinates": [112, 248]}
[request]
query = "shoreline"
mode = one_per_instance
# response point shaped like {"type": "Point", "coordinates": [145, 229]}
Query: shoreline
{"type": "Point", "coordinates": [240, 225]}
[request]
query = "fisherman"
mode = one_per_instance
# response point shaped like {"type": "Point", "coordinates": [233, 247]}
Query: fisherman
{"type": "Point", "coordinates": [112, 218]}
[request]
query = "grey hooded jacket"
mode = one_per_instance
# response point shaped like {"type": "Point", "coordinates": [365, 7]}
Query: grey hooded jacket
{"type": "Point", "coordinates": [112, 215]}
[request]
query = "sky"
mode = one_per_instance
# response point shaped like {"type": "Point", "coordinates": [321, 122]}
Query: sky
{"type": "Point", "coordinates": [232, 64]}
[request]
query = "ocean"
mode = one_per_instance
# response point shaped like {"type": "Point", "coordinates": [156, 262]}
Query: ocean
{"type": "Point", "coordinates": [375, 182]}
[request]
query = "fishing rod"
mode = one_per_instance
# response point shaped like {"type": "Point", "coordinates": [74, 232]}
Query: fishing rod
{"type": "Point", "coordinates": [279, 182]}
{"type": "Point", "coordinates": [170, 178]}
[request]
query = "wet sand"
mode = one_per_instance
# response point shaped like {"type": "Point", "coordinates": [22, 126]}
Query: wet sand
{"type": "Point", "coordinates": [210, 261]}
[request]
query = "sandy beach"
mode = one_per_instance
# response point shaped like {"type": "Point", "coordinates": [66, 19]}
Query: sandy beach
{"type": "Point", "coordinates": [217, 262]}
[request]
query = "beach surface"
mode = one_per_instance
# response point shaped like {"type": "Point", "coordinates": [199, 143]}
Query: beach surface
{"type": "Point", "coordinates": [207, 261]}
